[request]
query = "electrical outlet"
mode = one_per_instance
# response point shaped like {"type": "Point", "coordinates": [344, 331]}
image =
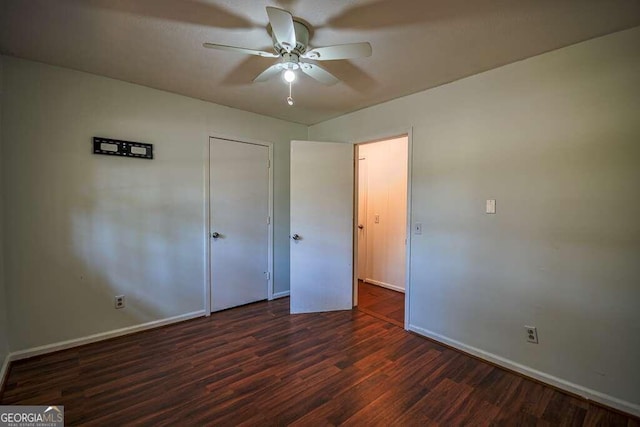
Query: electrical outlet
{"type": "Point", "coordinates": [119, 301]}
{"type": "Point", "coordinates": [532, 334]}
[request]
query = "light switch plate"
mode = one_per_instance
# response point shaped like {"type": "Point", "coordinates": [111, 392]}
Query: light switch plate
{"type": "Point", "coordinates": [491, 206]}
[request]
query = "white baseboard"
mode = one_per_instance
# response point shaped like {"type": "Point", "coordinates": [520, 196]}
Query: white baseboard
{"type": "Point", "coordinates": [281, 294]}
{"type": "Point", "coordinates": [50, 348]}
{"type": "Point", "coordinates": [385, 285]}
{"type": "Point", "coordinates": [587, 393]}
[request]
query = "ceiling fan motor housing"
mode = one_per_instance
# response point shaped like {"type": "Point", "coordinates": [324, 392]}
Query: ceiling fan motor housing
{"type": "Point", "coordinates": [290, 61]}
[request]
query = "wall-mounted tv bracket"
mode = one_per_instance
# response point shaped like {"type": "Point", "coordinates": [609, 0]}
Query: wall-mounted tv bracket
{"type": "Point", "coordinates": [116, 147]}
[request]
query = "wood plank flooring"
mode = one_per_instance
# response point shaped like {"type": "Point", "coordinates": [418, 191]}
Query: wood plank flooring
{"type": "Point", "coordinates": [260, 366]}
{"type": "Point", "coordinates": [382, 303]}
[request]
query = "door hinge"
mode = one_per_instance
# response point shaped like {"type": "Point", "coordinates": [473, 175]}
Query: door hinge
{"type": "Point", "coordinates": [268, 163]}
{"type": "Point", "coordinates": [268, 220]}
{"type": "Point", "coordinates": [267, 274]}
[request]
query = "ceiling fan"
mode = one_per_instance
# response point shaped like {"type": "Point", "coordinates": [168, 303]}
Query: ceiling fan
{"type": "Point", "coordinates": [291, 43]}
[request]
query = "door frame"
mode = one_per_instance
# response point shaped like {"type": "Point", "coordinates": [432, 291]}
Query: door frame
{"type": "Point", "coordinates": [356, 213]}
{"type": "Point", "coordinates": [407, 285]}
{"type": "Point", "coordinates": [207, 215]}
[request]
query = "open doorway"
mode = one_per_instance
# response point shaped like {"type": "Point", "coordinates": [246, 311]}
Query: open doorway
{"type": "Point", "coordinates": [381, 234]}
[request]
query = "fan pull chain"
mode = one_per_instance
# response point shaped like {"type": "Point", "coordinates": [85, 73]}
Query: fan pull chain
{"type": "Point", "coordinates": [290, 99]}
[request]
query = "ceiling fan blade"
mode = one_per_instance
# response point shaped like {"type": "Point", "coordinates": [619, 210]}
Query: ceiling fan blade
{"type": "Point", "coordinates": [317, 72]}
{"type": "Point", "coordinates": [241, 50]}
{"type": "Point", "coordinates": [282, 26]}
{"type": "Point", "coordinates": [269, 73]}
{"type": "Point", "coordinates": [341, 51]}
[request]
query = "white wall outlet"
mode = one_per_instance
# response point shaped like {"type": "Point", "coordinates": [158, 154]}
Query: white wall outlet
{"type": "Point", "coordinates": [417, 228]}
{"type": "Point", "coordinates": [119, 301]}
{"type": "Point", "coordinates": [491, 206]}
{"type": "Point", "coordinates": [532, 334]}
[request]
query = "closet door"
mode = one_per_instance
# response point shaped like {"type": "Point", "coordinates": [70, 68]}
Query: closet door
{"type": "Point", "coordinates": [239, 209]}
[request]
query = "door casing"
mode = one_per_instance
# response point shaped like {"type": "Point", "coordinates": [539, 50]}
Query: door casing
{"type": "Point", "coordinates": [374, 138]}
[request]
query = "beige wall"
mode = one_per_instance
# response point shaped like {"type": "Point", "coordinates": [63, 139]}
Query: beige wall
{"type": "Point", "coordinates": [555, 139]}
{"type": "Point", "coordinates": [81, 228]}
{"type": "Point", "coordinates": [386, 197]}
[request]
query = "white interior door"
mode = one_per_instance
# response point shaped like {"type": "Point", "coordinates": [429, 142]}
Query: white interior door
{"type": "Point", "coordinates": [321, 226]}
{"type": "Point", "coordinates": [239, 209]}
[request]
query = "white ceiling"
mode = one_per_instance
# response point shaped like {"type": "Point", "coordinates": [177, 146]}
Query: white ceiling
{"type": "Point", "coordinates": [417, 44]}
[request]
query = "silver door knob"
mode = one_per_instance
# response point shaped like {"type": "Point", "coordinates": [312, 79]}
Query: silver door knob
{"type": "Point", "coordinates": [296, 237]}
{"type": "Point", "coordinates": [215, 234]}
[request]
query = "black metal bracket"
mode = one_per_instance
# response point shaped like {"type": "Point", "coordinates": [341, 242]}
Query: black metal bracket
{"type": "Point", "coordinates": [116, 147]}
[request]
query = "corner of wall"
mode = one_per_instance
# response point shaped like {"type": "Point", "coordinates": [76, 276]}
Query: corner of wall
{"type": "Point", "coordinates": [4, 344]}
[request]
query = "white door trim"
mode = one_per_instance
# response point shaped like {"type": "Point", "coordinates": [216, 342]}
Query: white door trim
{"type": "Point", "coordinates": [382, 137]}
{"type": "Point", "coordinates": [207, 217]}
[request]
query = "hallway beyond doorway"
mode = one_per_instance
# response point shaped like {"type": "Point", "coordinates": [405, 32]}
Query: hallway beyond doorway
{"type": "Point", "coordinates": [382, 303]}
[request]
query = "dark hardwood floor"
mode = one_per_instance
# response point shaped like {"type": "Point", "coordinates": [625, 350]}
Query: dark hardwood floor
{"type": "Point", "coordinates": [258, 366]}
{"type": "Point", "coordinates": [382, 303]}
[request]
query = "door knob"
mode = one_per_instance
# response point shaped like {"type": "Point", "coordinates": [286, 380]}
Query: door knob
{"type": "Point", "coordinates": [215, 234]}
{"type": "Point", "coordinates": [296, 237]}
{"type": "Point", "coordinates": [360, 226]}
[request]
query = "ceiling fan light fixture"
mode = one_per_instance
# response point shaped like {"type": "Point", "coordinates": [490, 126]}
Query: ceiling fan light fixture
{"type": "Point", "coordinates": [290, 39]}
{"type": "Point", "coordinates": [289, 76]}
